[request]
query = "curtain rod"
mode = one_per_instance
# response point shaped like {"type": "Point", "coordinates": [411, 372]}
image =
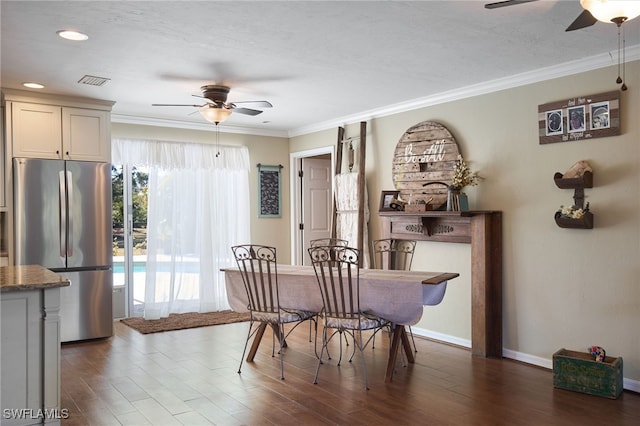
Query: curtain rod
{"type": "Point", "coordinates": [260, 165]}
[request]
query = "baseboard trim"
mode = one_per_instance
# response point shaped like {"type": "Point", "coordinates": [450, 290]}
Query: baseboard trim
{"type": "Point", "coordinates": [627, 384]}
{"type": "Point", "coordinates": [445, 338]}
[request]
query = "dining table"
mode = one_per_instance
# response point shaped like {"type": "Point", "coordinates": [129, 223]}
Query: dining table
{"type": "Point", "coordinates": [397, 296]}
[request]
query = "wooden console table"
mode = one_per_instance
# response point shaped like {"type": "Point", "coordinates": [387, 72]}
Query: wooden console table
{"type": "Point", "coordinates": [481, 229]}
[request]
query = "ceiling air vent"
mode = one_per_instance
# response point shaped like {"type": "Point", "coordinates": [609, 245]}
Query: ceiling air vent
{"type": "Point", "coordinates": [93, 80]}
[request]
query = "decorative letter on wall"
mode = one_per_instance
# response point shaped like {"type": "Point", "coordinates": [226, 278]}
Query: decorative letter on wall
{"type": "Point", "coordinates": [269, 199]}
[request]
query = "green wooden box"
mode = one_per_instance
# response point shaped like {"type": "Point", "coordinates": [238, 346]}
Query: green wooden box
{"type": "Point", "coordinates": [578, 371]}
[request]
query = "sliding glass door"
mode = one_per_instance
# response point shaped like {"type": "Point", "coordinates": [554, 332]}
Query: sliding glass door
{"type": "Point", "coordinates": [180, 200]}
{"type": "Point", "coordinates": [130, 202]}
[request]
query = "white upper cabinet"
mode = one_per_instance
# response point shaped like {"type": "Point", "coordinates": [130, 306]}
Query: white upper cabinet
{"type": "Point", "coordinates": [85, 135]}
{"type": "Point", "coordinates": [36, 130]}
{"type": "Point", "coordinates": [57, 127]}
{"type": "Point", "coordinates": [50, 131]}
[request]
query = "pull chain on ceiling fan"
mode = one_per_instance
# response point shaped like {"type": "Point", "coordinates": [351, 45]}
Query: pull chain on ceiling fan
{"type": "Point", "coordinates": [217, 140]}
{"type": "Point", "coordinates": [620, 80]}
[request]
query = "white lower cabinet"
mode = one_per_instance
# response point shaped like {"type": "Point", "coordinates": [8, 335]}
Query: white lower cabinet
{"type": "Point", "coordinates": [30, 366]}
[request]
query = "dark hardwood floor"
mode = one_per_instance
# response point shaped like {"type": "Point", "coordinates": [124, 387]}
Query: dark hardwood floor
{"type": "Point", "coordinates": [189, 377]}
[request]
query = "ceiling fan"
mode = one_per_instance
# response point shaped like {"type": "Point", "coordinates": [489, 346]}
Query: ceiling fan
{"type": "Point", "coordinates": [594, 11]}
{"type": "Point", "coordinates": [216, 109]}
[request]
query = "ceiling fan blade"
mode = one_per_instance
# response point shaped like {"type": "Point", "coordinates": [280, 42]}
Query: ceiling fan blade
{"type": "Point", "coordinates": [220, 103]}
{"type": "Point", "coordinates": [498, 4]}
{"type": "Point", "coordinates": [584, 20]}
{"type": "Point", "coordinates": [255, 104]}
{"type": "Point", "coordinates": [247, 111]}
{"type": "Point", "coordinates": [174, 105]}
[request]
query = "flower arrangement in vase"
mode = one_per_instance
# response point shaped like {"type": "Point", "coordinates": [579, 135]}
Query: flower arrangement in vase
{"type": "Point", "coordinates": [462, 177]}
{"type": "Point", "coordinates": [572, 212]}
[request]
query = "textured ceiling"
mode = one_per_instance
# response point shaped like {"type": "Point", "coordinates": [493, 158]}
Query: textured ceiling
{"type": "Point", "coordinates": [316, 62]}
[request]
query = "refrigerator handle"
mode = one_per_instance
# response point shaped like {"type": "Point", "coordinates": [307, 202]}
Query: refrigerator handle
{"type": "Point", "coordinates": [62, 211]}
{"type": "Point", "coordinates": [70, 213]}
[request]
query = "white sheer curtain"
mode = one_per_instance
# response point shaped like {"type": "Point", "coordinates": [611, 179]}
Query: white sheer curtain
{"type": "Point", "coordinates": [198, 208]}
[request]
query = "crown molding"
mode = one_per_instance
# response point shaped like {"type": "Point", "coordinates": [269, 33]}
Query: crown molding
{"type": "Point", "coordinates": [36, 97]}
{"type": "Point", "coordinates": [190, 125]}
{"type": "Point", "coordinates": [529, 77]}
{"type": "Point", "coordinates": [543, 74]}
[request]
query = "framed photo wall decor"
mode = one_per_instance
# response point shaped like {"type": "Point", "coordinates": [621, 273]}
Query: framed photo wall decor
{"type": "Point", "coordinates": [585, 117]}
{"type": "Point", "coordinates": [386, 199]}
{"type": "Point", "coordinates": [269, 192]}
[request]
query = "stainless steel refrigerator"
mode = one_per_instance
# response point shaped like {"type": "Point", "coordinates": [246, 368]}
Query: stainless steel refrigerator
{"type": "Point", "coordinates": [63, 222]}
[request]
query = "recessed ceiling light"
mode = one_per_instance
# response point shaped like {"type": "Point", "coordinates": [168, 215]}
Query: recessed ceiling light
{"type": "Point", "coordinates": [72, 35]}
{"type": "Point", "coordinates": [33, 85]}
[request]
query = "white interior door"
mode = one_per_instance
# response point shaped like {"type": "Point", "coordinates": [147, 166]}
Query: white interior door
{"type": "Point", "coordinates": [316, 201]}
{"type": "Point", "coordinates": [299, 194]}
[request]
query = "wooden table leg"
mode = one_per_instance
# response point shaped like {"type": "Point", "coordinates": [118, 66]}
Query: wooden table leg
{"type": "Point", "coordinates": [399, 337]}
{"type": "Point", "coordinates": [393, 353]}
{"type": "Point", "coordinates": [256, 342]}
{"type": "Point", "coordinates": [406, 345]}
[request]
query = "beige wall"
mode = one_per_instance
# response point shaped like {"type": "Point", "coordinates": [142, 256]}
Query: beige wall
{"type": "Point", "coordinates": [563, 288]}
{"type": "Point", "coordinates": [262, 149]}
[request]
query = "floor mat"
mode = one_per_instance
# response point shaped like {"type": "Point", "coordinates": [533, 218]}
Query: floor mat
{"type": "Point", "coordinates": [187, 320]}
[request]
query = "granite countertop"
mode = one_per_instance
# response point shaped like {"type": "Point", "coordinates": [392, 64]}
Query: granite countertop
{"type": "Point", "coordinates": [29, 277]}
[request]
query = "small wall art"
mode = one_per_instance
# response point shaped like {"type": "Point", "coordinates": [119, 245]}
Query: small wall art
{"type": "Point", "coordinates": [269, 199]}
{"type": "Point", "coordinates": [387, 199]}
{"type": "Point", "coordinates": [584, 117]}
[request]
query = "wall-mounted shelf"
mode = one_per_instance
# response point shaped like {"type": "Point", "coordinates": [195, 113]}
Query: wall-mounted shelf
{"type": "Point", "coordinates": [584, 181]}
{"type": "Point", "coordinates": [585, 222]}
{"type": "Point", "coordinates": [577, 184]}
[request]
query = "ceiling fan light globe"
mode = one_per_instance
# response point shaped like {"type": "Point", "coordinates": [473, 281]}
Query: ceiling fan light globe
{"type": "Point", "coordinates": [214, 113]}
{"type": "Point", "coordinates": [612, 10]}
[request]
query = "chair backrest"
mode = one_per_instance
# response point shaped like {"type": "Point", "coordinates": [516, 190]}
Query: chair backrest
{"type": "Point", "coordinates": [257, 264]}
{"type": "Point", "coordinates": [393, 254]}
{"type": "Point", "coordinates": [328, 242]}
{"type": "Point", "coordinates": [338, 276]}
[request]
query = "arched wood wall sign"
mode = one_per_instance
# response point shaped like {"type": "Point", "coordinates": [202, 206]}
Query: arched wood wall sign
{"type": "Point", "coordinates": [423, 163]}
